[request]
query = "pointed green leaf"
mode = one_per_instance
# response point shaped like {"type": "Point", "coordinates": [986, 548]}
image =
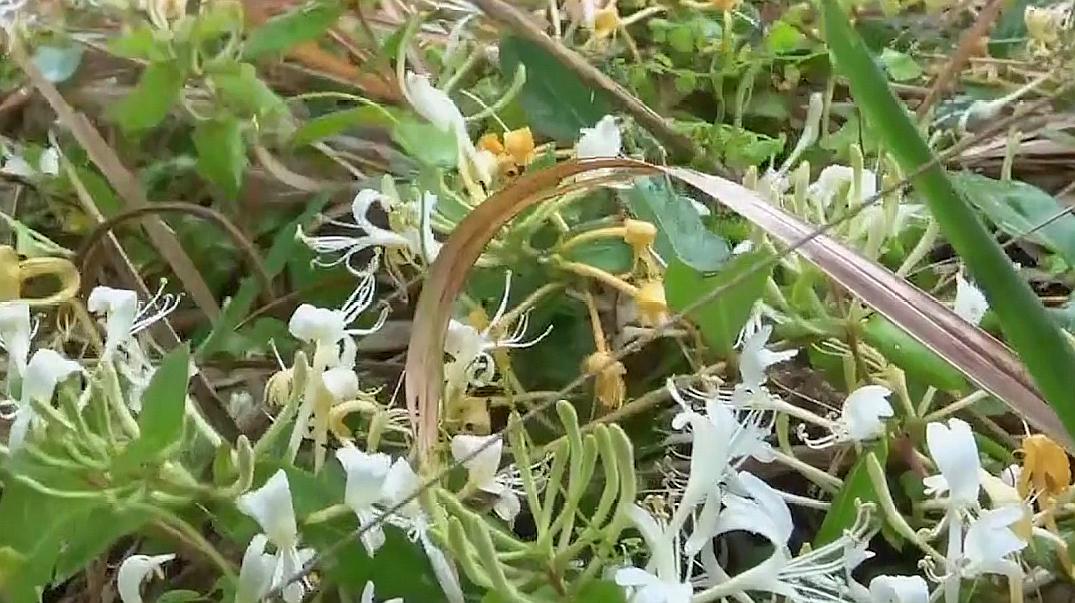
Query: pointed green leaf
{"type": "Point", "coordinates": [302, 24]}
{"type": "Point", "coordinates": [152, 98]}
{"type": "Point", "coordinates": [680, 231]}
{"type": "Point", "coordinates": [221, 153]}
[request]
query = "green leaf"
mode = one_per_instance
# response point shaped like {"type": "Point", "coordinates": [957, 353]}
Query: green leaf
{"type": "Point", "coordinates": [283, 247]}
{"type": "Point", "coordinates": [784, 37]}
{"type": "Point", "coordinates": [152, 98]}
{"type": "Point", "coordinates": [302, 24]}
{"type": "Point", "coordinates": [1018, 208]}
{"type": "Point", "coordinates": [1026, 325]}
{"type": "Point", "coordinates": [918, 361]}
{"type": "Point", "coordinates": [900, 65]}
{"type": "Point", "coordinates": [601, 591]}
{"type": "Point", "coordinates": [680, 232]}
{"type": "Point", "coordinates": [241, 90]}
{"type": "Point", "coordinates": [857, 486]}
{"type": "Point", "coordinates": [333, 123]}
{"type": "Point", "coordinates": [721, 319]}
{"type": "Point", "coordinates": [610, 255]}
{"type": "Point", "coordinates": [557, 103]}
{"type": "Point", "coordinates": [426, 143]}
{"type": "Point", "coordinates": [140, 43]}
{"type": "Point", "coordinates": [221, 153]}
{"type": "Point", "coordinates": [58, 63]}
{"type": "Point", "coordinates": [163, 406]}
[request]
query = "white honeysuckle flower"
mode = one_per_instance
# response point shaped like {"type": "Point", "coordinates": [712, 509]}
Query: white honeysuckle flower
{"type": "Point", "coordinates": [400, 483]}
{"type": "Point", "coordinates": [471, 363]}
{"type": "Point", "coordinates": [601, 141]}
{"type": "Point", "coordinates": [821, 575]}
{"type": "Point", "coordinates": [755, 358]}
{"type": "Point", "coordinates": [271, 507]}
{"type": "Point", "coordinates": [124, 316]}
{"type": "Point", "coordinates": [970, 303]}
{"type": "Point", "coordinates": [326, 329]}
{"type": "Point", "coordinates": [865, 411]}
{"type": "Point", "coordinates": [898, 589]}
{"type": "Point", "coordinates": [367, 595]}
{"type": "Point", "coordinates": [256, 572]}
{"type": "Point", "coordinates": [438, 108]}
{"type": "Point", "coordinates": [48, 163]}
{"type": "Point", "coordinates": [410, 232]}
{"type": "Point", "coordinates": [661, 581]}
{"type": "Point", "coordinates": [134, 571]}
{"type": "Point", "coordinates": [749, 505]}
{"type": "Point", "coordinates": [482, 471]}
{"type": "Point", "coordinates": [955, 452]}
{"type": "Point", "coordinates": [366, 474]}
{"type": "Point", "coordinates": [45, 370]}
{"type": "Point", "coordinates": [990, 541]}
{"type": "Point", "coordinates": [15, 334]}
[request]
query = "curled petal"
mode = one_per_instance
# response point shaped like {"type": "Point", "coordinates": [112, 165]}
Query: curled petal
{"type": "Point", "coordinates": [133, 571]}
{"type": "Point", "coordinates": [270, 506]}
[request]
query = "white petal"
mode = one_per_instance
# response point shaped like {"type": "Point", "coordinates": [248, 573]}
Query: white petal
{"type": "Point", "coordinates": [507, 505]}
{"type": "Point", "coordinates": [970, 304]}
{"type": "Point", "coordinates": [18, 167]}
{"type": "Point", "coordinates": [270, 506]}
{"type": "Point", "coordinates": [746, 515]}
{"type": "Point", "coordinates": [771, 503]}
{"type": "Point", "coordinates": [120, 307]}
{"type": "Point", "coordinates": [430, 247]}
{"type": "Point", "coordinates": [44, 371]}
{"type": "Point", "coordinates": [709, 460]}
{"type": "Point", "coordinates": [399, 483]}
{"type": "Point", "coordinates": [312, 324]}
{"type": "Point", "coordinates": [633, 576]}
{"type": "Point", "coordinates": [484, 465]}
{"type": "Point", "coordinates": [367, 592]}
{"type": "Point", "coordinates": [433, 104]}
{"type": "Point", "coordinates": [602, 140]}
{"type": "Point", "coordinates": [899, 589]}
{"type": "Point", "coordinates": [49, 162]}
{"type": "Point", "coordinates": [756, 358]}
{"type": "Point", "coordinates": [953, 448]}
{"type": "Point", "coordinates": [661, 548]}
{"type": "Point", "coordinates": [865, 410]}
{"type": "Point", "coordinates": [990, 538]}
{"type": "Point", "coordinates": [133, 571]}
{"type": "Point", "coordinates": [341, 382]}
{"type": "Point", "coordinates": [705, 523]}
{"type": "Point", "coordinates": [256, 572]}
{"type": "Point", "coordinates": [24, 415]}
{"type": "Point", "coordinates": [365, 476]}
{"type": "Point", "coordinates": [15, 333]}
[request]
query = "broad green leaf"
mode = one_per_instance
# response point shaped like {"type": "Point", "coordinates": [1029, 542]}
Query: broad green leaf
{"type": "Point", "coordinates": [58, 63]}
{"type": "Point", "coordinates": [857, 486]}
{"type": "Point", "coordinates": [601, 591]}
{"type": "Point", "coordinates": [610, 255]}
{"type": "Point", "coordinates": [239, 86]}
{"type": "Point", "coordinates": [98, 529]}
{"type": "Point", "coordinates": [1018, 208]}
{"type": "Point", "coordinates": [680, 232]}
{"type": "Point", "coordinates": [283, 247]}
{"type": "Point", "coordinates": [302, 24]}
{"type": "Point", "coordinates": [721, 319]}
{"type": "Point", "coordinates": [426, 143]}
{"type": "Point", "coordinates": [163, 406]}
{"type": "Point", "coordinates": [557, 103]}
{"type": "Point", "coordinates": [1027, 327]}
{"type": "Point", "coordinates": [331, 124]}
{"type": "Point", "coordinates": [152, 98]}
{"type": "Point", "coordinates": [904, 351]}
{"type": "Point", "coordinates": [140, 43]}
{"type": "Point", "coordinates": [900, 65]}
{"type": "Point", "coordinates": [784, 37]}
{"type": "Point", "coordinates": [221, 153]}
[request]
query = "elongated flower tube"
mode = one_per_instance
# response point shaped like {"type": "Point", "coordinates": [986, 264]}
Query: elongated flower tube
{"type": "Point", "coordinates": [124, 316]}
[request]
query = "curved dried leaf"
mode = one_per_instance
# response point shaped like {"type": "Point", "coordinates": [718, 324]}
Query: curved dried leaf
{"type": "Point", "coordinates": [984, 360]}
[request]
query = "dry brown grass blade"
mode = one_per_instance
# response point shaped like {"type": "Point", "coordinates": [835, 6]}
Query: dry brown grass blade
{"type": "Point", "coordinates": [123, 181]}
{"type": "Point", "coordinates": [984, 359]}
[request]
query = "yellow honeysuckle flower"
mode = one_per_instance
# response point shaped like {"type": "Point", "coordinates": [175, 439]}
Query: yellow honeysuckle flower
{"type": "Point", "coordinates": [1046, 469]}
{"type": "Point", "coordinates": [609, 387]}
{"type": "Point", "coordinates": [652, 307]}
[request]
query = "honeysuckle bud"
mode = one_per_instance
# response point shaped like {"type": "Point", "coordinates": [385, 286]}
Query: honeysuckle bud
{"type": "Point", "coordinates": [491, 142]}
{"type": "Point", "coordinates": [609, 387]}
{"type": "Point", "coordinates": [970, 303]}
{"type": "Point", "coordinates": [652, 307]}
